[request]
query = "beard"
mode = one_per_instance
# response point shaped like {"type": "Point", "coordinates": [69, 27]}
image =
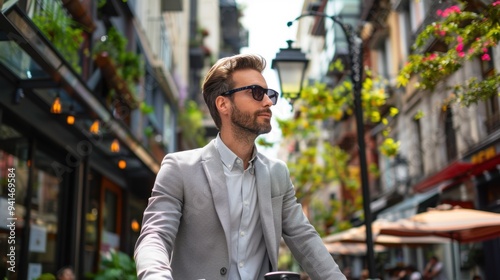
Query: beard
{"type": "Point", "coordinates": [246, 123]}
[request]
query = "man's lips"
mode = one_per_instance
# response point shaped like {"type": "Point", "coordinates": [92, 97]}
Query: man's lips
{"type": "Point", "coordinates": [267, 114]}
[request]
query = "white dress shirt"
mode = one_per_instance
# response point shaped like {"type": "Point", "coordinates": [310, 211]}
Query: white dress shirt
{"type": "Point", "coordinates": [248, 252]}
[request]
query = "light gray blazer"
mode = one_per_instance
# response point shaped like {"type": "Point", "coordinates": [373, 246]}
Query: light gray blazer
{"type": "Point", "coordinates": [185, 230]}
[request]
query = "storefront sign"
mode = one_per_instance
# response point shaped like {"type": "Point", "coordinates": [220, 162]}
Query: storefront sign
{"type": "Point", "coordinates": [484, 155]}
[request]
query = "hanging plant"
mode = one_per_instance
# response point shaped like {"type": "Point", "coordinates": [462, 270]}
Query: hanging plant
{"type": "Point", "coordinates": [128, 64]}
{"type": "Point", "coordinates": [64, 33]}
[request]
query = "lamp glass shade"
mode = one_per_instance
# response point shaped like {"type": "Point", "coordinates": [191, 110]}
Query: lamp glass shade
{"type": "Point", "coordinates": [291, 74]}
{"type": "Point", "coordinates": [291, 64]}
{"type": "Point", "coordinates": [400, 167]}
{"type": "Point", "coordinates": [401, 170]}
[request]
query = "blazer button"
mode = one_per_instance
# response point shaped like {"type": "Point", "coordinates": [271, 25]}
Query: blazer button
{"type": "Point", "coordinates": [223, 271]}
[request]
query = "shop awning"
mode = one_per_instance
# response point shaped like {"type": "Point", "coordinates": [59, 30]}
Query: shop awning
{"type": "Point", "coordinates": [457, 172]}
{"type": "Point", "coordinates": [451, 172]}
{"type": "Point", "coordinates": [407, 207]}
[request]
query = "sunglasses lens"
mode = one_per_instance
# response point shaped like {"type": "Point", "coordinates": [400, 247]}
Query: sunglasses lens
{"type": "Point", "coordinates": [273, 95]}
{"type": "Point", "coordinates": [258, 93]}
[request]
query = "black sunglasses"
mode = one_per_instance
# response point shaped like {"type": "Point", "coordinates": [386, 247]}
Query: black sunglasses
{"type": "Point", "coordinates": [257, 93]}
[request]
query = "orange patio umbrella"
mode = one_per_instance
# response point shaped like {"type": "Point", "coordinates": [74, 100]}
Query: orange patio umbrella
{"type": "Point", "coordinates": [351, 249]}
{"type": "Point", "coordinates": [358, 235]}
{"type": "Point", "coordinates": [459, 224]}
{"type": "Point", "coordinates": [462, 225]}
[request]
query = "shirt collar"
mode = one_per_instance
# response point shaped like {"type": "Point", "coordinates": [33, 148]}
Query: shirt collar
{"type": "Point", "coordinates": [229, 158]}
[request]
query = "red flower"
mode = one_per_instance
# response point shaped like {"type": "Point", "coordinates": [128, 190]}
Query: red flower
{"type": "Point", "coordinates": [485, 57]}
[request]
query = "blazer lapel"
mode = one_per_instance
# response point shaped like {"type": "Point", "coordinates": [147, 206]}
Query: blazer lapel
{"type": "Point", "coordinates": [214, 171]}
{"type": "Point", "coordinates": [263, 180]}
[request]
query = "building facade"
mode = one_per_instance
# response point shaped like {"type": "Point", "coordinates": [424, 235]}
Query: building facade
{"type": "Point", "coordinates": [451, 153]}
{"type": "Point", "coordinates": [88, 108]}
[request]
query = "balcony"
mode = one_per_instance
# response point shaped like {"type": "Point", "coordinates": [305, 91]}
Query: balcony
{"type": "Point", "coordinates": [492, 122]}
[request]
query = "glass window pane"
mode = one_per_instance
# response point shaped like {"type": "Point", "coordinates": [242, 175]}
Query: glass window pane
{"type": "Point", "coordinates": [13, 186]}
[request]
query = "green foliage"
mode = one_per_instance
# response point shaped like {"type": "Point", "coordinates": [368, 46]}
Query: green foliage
{"type": "Point", "coordinates": [191, 123]}
{"type": "Point", "coordinates": [468, 35]}
{"type": "Point", "coordinates": [116, 266]}
{"type": "Point", "coordinates": [389, 147]}
{"type": "Point", "coordinates": [149, 131]}
{"type": "Point", "coordinates": [46, 276]}
{"type": "Point", "coordinates": [145, 108]}
{"type": "Point", "coordinates": [318, 164]}
{"type": "Point", "coordinates": [128, 64]}
{"type": "Point", "coordinates": [261, 141]}
{"type": "Point", "coordinates": [64, 33]}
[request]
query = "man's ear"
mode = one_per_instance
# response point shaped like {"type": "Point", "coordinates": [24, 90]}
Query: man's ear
{"type": "Point", "coordinates": [222, 105]}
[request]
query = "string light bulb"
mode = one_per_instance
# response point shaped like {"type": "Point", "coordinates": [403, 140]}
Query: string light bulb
{"type": "Point", "coordinates": [135, 225]}
{"type": "Point", "coordinates": [94, 128]}
{"type": "Point", "coordinates": [56, 105]}
{"type": "Point", "coordinates": [115, 146]}
{"type": "Point", "coordinates": [122, 164]}
{"type": "Point", "coordinates": [70, 119]}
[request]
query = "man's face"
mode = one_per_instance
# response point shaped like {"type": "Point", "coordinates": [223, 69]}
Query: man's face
{"type": "Point", "coordinates": [248, 114]}
{"type": "Point", "coordinates": [67, 275]}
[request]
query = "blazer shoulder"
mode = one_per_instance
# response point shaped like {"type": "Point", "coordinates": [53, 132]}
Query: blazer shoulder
{"type": "Point", "coordinates": [271, 162]}
{"type": "Point", "coordinates": [193, 155]}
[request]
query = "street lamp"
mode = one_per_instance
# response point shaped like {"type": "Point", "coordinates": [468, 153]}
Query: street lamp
{"type": "Point", "coordinates": [356, 63]}
{"type": "Point", "coordinates": [401, 173]}
{"type": "Point", "coordinates": [291, 65]}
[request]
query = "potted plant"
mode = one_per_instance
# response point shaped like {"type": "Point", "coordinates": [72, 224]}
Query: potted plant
{"type": "Point", "coordinates": [120, 67]}
{"type": "Point", "coordinates": [64, 33]}
{"type": "Point", "coordinates": [115, 265]}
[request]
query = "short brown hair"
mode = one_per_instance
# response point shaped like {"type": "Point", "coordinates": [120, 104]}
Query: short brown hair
{"type": "Point", "coordinates": [219, 78]}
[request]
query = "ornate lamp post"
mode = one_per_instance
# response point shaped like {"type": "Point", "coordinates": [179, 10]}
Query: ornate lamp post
{"type": "Point", "coordinates": [356, 64]}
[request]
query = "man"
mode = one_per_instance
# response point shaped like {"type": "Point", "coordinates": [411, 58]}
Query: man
{"type": "Point", "coordinates": [65, 273]}
{"type": "Point", "coordinates": [219, 212]}
{"type": "Point", "coordinates": [434, 270]}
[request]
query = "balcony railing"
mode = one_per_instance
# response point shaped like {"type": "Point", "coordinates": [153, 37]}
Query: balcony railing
{"type": "Point", "coordinates": [492, 122]}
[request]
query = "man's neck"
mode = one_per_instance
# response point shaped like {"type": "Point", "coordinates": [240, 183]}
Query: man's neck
{"type": "Point", "coordinates": [240, 146]}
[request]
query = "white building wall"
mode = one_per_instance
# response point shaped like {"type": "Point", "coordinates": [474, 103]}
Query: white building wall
{"type": "Point", "coordinates": [209, 19]}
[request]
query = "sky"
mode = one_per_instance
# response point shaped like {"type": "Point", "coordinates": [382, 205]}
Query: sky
{"type": "Point", "coordinates": [266, 22]}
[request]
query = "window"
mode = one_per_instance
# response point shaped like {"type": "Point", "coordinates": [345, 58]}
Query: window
{"type": "Point", "coordinates": [44, 214]}
{"type": "Point", "coordinates": [420, 150]}
{"type": "Point", "coordinates": [13, 165]}
{"type": "Point", "coordinates": [450, 136]}
{"type": "Point", "coordinates": [492, 110]}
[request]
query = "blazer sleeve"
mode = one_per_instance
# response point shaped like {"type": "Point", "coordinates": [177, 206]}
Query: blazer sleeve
{"type": "Point", "coordinates": [153, 249]}
{"type": "Point", "coordinates": [304, 241]}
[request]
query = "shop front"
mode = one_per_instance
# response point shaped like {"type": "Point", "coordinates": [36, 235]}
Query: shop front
{"type": "Point", "coordinates": [73, 178]}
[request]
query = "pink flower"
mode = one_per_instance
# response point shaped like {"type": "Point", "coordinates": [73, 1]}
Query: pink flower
{"type": "Point", "coordinates": [450, 10]}
{"type": "Point", "coordinates": [439, 12]}
{"type": "Point", "coordinates": [485, 57]}
{"type": "Point", "coordinates": [430, 57]}
{"type": "Point", "coordinates": [460, 47]}
{"type": "Point", "coordinates": [460, 39]}
{"type": "Point", "coordinates": [461, 54]}
{"type": "Point", "coordinates": [495, 3]}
